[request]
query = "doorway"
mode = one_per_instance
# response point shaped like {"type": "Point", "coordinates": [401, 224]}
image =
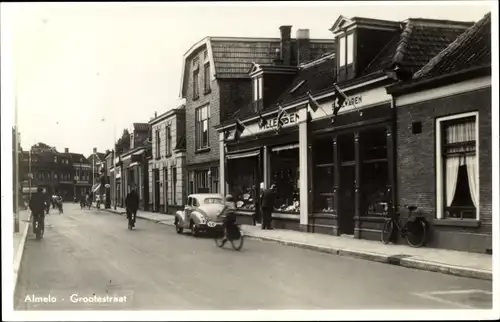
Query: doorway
{"type": "Point", "coordinates": [347, 200]}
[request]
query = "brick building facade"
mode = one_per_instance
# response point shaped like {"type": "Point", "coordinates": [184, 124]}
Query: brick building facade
{"type": "Point", "coordinates": [215, 85]}
{"type": "Point", "coordinates": [336, 177]}
{"type": "Point", "coordinates": [444, 113]}
{"type": "Point", "coordinates": [167, 166]}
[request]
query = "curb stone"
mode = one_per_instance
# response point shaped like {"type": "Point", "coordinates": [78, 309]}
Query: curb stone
{"type": "Point", "coordinates": [19, 256]}
{"type": "Point", "coordinates": [376, 257]}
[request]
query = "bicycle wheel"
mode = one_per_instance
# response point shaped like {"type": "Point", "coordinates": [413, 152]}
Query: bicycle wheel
{"type": "Point", "coordinates": [237, 243]}
{"type": "Point", "coordinates": [387, 231]}
{"type": "Point", "coordinates": [416, 233]}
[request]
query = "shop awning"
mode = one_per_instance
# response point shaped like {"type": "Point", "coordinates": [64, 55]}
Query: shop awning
{"type": "Point", "coordinates": [247, 154]}
{"type": "Point", "coordinates": [139, 152]}
{"type": "Point", "coordinates": [285, 147]}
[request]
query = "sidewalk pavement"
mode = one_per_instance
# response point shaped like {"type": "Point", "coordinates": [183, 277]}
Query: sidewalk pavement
{"type": "Point", "coordinates": [445, 261]}
{"type": "Point", "coordinates": [19, 242]}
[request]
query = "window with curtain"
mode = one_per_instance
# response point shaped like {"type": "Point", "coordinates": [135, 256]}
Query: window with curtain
{"type": "Point", "coordinates": [461, 189]}
{"type": "Point", "coordinates": [201, 127]}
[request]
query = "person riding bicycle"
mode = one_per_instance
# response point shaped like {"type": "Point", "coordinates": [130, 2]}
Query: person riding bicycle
{"type": "Point", "coordinates": [132, 204]}
{"type": "Point", "coordinates": [37, 206]}
{"type": "Point", "coordinates": [59, 202]}
{"type": "Point", "coordinates": [229, 221]}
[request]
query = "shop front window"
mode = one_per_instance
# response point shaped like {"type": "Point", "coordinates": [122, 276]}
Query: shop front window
{"type": "Point", "coordinates": [374, 171]}
{"type": "Point", "coordinates": [323, 175]}
{"type": "Point", "coordinates": [242, 180]}
{"type": "Point", "coordinates": [285, 174]}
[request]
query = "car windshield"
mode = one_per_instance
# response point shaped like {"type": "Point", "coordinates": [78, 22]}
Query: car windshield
{"type": "Point", "coordinates": [213, 200]}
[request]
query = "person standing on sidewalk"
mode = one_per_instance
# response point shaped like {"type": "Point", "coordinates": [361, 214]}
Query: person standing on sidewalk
{"type": "Point", "coordinates": [268, 199]}
{"type": "Point", "coordinates": [132, 204]}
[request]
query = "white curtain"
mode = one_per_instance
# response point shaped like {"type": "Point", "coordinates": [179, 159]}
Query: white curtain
{"type": "Point", "coordinates": [452, 165]}
{"type": "Point", "coordinates": [472, 169]}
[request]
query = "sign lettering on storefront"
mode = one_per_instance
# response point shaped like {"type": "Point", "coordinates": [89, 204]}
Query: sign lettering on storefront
{"type": "Point", "coordinates": [353, 100]}
{"type": "Point", "coordinates": [287, 119]}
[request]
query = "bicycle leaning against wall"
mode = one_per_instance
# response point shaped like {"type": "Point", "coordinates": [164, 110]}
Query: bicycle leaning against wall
{"type": "Point", "coordinates": [414, 228]}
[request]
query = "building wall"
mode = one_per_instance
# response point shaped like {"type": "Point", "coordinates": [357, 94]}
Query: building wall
{"type": "Point", "coordinates": [416, 172]}
{"type": "Point", "coordinates": [211, 98]}
{"type": "Point", "coordinates": [234, 94]}
{"type": "Point", "coordinates": [177, 123]}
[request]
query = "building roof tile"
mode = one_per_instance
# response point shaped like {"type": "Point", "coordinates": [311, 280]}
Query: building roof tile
{"type": "Point", "coordinates": [418, 42]}
{"type": "Point", "coordinates": [471, 49]}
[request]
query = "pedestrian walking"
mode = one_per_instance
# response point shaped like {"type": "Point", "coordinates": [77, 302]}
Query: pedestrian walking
{"type": "Point", "coordinates": [132, 204]}
{"type": "Point", "coordinates": [268, 199]}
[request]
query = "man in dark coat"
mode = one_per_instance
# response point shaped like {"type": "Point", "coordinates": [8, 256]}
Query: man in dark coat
{"type": "Point", "coordinates": [268, 199]}
{"type": "Point", "coordinates": [132, 203]}
{"type": "Point", "coordinates": [37, 206]}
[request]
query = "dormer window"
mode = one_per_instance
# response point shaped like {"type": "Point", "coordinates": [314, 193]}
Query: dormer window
{"type": "Point", "coordinates": [346, 50]}
{"type": "Point", "coordinates": [257, 88]}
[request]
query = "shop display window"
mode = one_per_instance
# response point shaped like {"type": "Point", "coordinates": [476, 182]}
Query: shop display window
{"type": "Point", "coordinates": [374, 188]}
{"type": "Point", "coordinates": [323, 175]}
{"type": "Point", "coordinates": [242, 183]}
{"type": "Point", "coordinates": [285, 174]}
{"type": "Point", "coordinates": [373, 144]}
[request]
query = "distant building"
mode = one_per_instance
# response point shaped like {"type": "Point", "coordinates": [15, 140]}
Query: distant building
{"type": "Point", "coordinates": [131, 167]}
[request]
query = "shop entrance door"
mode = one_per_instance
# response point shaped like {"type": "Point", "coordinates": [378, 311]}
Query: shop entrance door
{"type": "Point", "coordinates": [346, 202]}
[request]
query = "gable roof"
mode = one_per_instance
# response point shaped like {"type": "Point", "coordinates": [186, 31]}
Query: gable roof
{"type": "Point", "coordinates": [470, 49]}
{"type": "Point", "coordinates": [75, 157]}
{"type": "Point", "coordinates": [418, 42]}
{"type": "Point", "coordinates": [233, 57]}
{"type": "Point", "coordinates": [141, 127]}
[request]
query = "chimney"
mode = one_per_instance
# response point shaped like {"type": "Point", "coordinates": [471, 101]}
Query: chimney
{"type": "Point", "coordinates": [156, 114]}
{"type": "Point", "coordinates": [303, 46]}
{"type": "Point", "coordinates": [95, 150]}
{"type": "Point", "coordinates": [286, 45]}
{"type": "Point", "coordinates": [66, 150]}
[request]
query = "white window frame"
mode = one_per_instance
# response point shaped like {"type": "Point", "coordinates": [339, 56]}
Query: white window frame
{"type": "Point", "coordinates": [258, 83]}
{"type": "Point", "coordinates": [198, 128]}
{"type": "Point", "coordinates": [342, 51]}
{"type": "Point", "coordinates": [350, 49]}
{"type": "Point", "coordinates": [439, 161]}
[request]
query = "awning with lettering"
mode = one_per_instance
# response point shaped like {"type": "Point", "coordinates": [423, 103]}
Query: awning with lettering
{"type": "Point", "coordinates": [285, 147]}
{"type": "Point", "coordinates": [139, 152]}
{"type": "Point", "coordinates": [27, 189]}
{"type": "Point", "coordinates": [239, 155]}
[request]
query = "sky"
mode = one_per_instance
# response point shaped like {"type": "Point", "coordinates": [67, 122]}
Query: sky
{"type": "Point", "coordinates": [85, 71]}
